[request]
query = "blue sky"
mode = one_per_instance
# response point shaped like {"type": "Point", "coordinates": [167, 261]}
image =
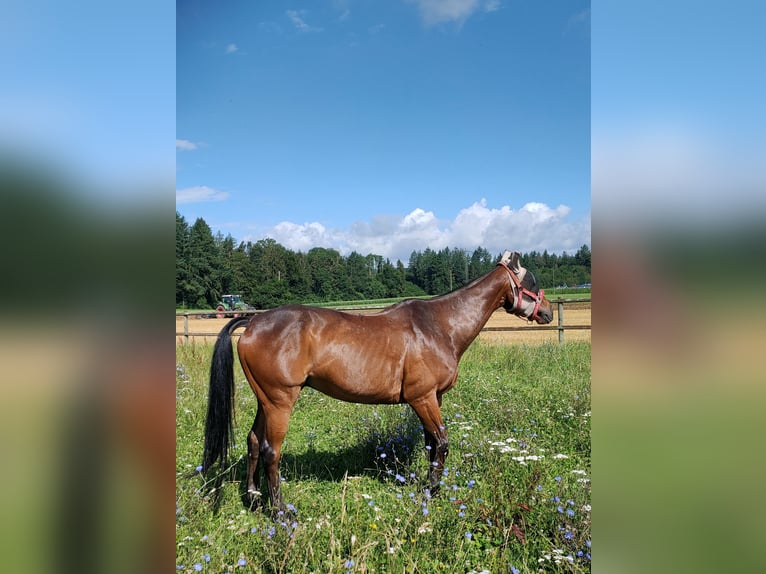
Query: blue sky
{"type": "Point", "coordinates": [386, 127]}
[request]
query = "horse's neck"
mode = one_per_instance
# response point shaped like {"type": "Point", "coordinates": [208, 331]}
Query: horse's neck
{"type": "Point", "coordinates": [469, 308]}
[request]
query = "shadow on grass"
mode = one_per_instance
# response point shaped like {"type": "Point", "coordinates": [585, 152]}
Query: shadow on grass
{"type": "Point", "coordinates": [378, 456]}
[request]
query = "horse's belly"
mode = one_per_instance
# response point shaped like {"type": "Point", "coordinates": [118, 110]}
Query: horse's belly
{"type": "Point", "coordinates": [357, 391]}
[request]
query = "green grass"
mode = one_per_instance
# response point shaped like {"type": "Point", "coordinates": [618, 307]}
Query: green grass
{"type": "Point", "coordinates": [496, 509]}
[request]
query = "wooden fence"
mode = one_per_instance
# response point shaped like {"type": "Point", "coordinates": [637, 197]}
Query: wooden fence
{"type": "Point", "coordinates": [561, 327]}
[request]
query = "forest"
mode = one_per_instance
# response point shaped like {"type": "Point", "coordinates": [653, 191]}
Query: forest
{"type": "Point", "coordinates": [268, 274]}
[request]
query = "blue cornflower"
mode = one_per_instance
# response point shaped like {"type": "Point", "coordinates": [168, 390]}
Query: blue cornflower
{"type": "Point", "coordinates": [198, 567]}
{"type": "Point", "coordinates": [199, 468]}
{"type": "Point", "coordinates": [568, 535]}
{"type": "Point", "coordinates": [468, 535]}
{"type": "Point", "coordinates": [291, 508]}
{"type": "Point", "coordinates": [241, 561]}
{"type": "Point", "coordinates": [570, 512]}
{"type": "Point", "coordinates": [206, 557]}
{"type": "Point", "coordinates": [425, 511]}
{"type": "Point", "coordinates": [557, 479]}
{"type": "Point", "coordinates": [400, 478]}
{"type": "Point", "coordinates": [514, 570]}
{"type": "Point", "coordinates": [349, 563]}
{"type": "Point", "coordinates": [560, 509]}
{"type": "Point", "coordinates": [471, 483]}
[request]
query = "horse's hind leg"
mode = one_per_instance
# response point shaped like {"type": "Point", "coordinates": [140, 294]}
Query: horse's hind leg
{"type": "Point", "coordinates": [276, 420]}
{"type": "Point", "coordinates": [253, 450]}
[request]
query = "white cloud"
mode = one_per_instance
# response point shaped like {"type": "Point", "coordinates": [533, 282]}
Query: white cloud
{"type": "Point", "coordinates": [535, 226]}
{"type": "Point", "coordinates": [199, 194]}
{"type": "Point", "coordinates": [297, 18]}
{"type": "Point", "coordinates": [185, 145]}
{"type": "Point", "coordinates": [231, 48]}
{"type": "Point", "coordinates": [439, 11]}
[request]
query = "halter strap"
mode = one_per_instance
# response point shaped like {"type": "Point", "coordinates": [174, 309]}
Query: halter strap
{"type": "Point", "coordinates": [519, 292]}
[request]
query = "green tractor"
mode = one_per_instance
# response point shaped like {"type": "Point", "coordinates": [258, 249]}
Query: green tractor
{"type": "Point", "coordinates": [229, 305]}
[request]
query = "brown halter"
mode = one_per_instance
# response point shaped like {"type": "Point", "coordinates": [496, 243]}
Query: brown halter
{"type": "Point", "coordinates": [517, 288]}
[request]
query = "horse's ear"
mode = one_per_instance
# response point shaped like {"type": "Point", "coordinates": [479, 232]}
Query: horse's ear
{"type": "Point", "coordinates": [514, 262]}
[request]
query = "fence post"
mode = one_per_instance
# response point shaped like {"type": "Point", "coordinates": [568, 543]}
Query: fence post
{"type": "Point", "coordinates": [186, 327]}
{"type": "Point", "coordinates": [561, 320]}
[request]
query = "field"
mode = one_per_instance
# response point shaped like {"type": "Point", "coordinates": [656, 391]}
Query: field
{"type": "Point", "coordinates": [574, 314]}
{"type": "Point", "coordinates": [515, 494]}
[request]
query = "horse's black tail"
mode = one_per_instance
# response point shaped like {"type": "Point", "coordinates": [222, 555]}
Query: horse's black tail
{"type": "Point", "coordinates": [219, 426]}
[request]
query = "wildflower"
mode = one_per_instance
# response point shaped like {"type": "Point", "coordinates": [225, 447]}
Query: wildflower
{"type": "Point", "coordinates": [468, 535]}
{"type": "Point", "coordinates": [570, 512]}
{"type": "Point", "coordinates": [206, 557]}
{"type": "Point", "coordinates": [400, 478]}
{"type": "Point", "coordinates": [199, 468]}
{"type": "Point", "coordinates": [560, 509]}
{"type": "Point", "coordinates": [241, 561]}
{"type": "Point", "coordinates": [514, 570]}
{"type": "Point", "coordinates": [557, 479]}
{"type": "Point", "coordinates": [425, 511]}
{"type": "Point", "coordinates": [471, 483]}
{"type": "Point", "coordinates": [198, 567]}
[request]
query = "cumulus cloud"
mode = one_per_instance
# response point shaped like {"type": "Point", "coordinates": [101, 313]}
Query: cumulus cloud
{"type": "Point", "coordinates": [199, 194]}
{"type": "Point", "coordinates": [535, 226]}
{"type": "Point", "coordinates": [231, 48]}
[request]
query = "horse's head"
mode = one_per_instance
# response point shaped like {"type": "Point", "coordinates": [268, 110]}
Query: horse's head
{"type": "Point", "coordinates": [524, 297]}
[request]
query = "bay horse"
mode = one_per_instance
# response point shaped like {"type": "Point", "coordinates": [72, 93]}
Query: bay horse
{"type": "Point", "coordinates": [406, 353]}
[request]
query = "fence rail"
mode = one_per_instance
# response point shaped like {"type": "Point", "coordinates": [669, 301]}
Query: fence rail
{"type": "Point", "coordinates": [560, 327]}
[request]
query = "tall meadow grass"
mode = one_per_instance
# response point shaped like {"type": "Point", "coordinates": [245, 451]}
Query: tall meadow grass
{"type": "Point", "coordinates": [515, 493]}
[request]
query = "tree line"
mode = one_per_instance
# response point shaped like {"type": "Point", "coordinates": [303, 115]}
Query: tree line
{"type": "Point", "coordinates": [268, 274]}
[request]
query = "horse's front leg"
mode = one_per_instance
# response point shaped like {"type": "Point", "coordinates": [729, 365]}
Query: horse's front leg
{"type": "Point", "coordinates": [437, 443]}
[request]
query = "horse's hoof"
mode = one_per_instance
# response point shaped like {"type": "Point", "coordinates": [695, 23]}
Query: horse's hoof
{"type": "Point", "coordinates": [252, 499]}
